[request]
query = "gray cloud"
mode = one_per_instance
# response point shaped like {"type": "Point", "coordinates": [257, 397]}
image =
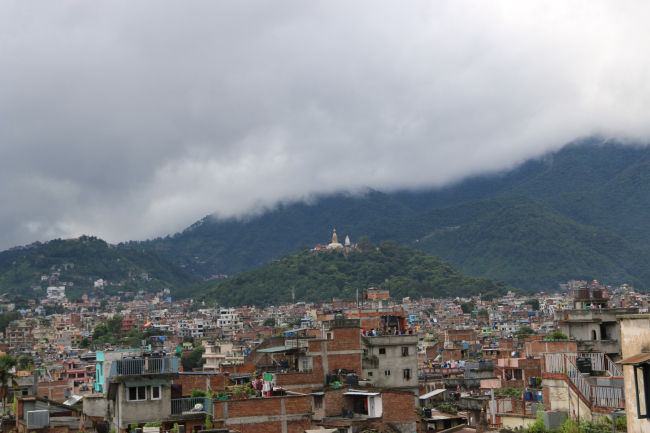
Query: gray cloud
{"type": "Point", "coordinates": [129, 120]}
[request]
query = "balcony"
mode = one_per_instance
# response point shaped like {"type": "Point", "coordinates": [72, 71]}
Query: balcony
{"type": "Point", "coordinates": [142, 366]}
{"type": "Point", "coordinates": [190, 406]}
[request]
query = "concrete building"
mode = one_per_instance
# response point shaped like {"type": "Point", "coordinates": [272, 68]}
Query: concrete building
{"type": "Point", "coordinates": [391, 361]}
{"type": "Point", "coordinates": [635, 333]}
{"type": "Point", "coordinates": [139, 390]}
{"type": "Point", "coordinates": [595, 330]}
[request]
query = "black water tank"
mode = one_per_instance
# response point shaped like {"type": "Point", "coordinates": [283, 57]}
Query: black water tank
{"type": "Point", "coordinates": [583, 365]}
{"type": "Point", "coordinates": [532, 382]}
{"type": "Point", "coordinates": [102, 427]}
{"type": "Point", "coordinates": [427, 412]}
{"type": "Point", "coordinates": [352, 379]}
{"type": "Point", "coordinates": [331, 378]}
{"type": "Point", "coordinates": [284, 363]}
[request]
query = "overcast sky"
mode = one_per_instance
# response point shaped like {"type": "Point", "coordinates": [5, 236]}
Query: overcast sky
{"type": "Point", "coordinates": [134, 119]}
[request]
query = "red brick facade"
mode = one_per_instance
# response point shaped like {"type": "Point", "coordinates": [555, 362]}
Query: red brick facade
{"type": "Point", "coordinates": [53, 390]}
{"type": "Point", "coordinates": [263, 414]}
{"type": "Point", "coordinates": [202, 381]}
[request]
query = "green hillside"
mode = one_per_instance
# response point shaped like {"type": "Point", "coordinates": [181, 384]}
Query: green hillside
{"type": "Point", "coordinates": [91, 259]}
{"type": "Point", "coordinates": [523, 242]}
{"type": "Point", "coordinates": [321, 276]}
{"type": "Point", "coordinates": [583, 186]}
{"type": "Point", "coordinates": [232, 246]}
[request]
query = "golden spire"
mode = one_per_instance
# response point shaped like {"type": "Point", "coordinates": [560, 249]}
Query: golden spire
{"type": "Point", "coordinates": [335, 239]}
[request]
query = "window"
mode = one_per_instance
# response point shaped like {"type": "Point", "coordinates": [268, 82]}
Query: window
{"type": "Point", "coordinates": [386, 372]}
{"type": "Point", "coordinates": [155, 393]}
{"type": "Point", "coordinates": [370, 373]}
{"type": "Point", "coordinates": [305, 364]}
{"type": "Point", "coordinates": [318, 402]}
{"type": "Point", "coordinates": [137, 393]}
{"type": "Point", "coordinates": [405, 351]}
{"type": "Point", "coordinates": [642, 383]}
{"type": "Point", "coordinates": [407, 373]}
{"type": "Point", "coordinates": [329, 335]}
{"type": "Point", "coordinates": [382, 350]}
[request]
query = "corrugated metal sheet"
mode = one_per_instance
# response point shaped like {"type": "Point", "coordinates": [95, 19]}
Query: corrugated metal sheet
{"type": "Point", "coordinates": [38, 419]}
{"type": "Point", "coordinates": [639, 358]}
{"type": "Point", "coordinates": [432, 393]}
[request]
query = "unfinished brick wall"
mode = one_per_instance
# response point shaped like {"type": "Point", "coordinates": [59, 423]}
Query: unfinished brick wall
{"type": "Point", "coordinates": [539, 347]}
{"type": "Point", "coordinates": [257, 409]}
{"type": "Point", "coordinates": [398, 406]}
{"type": "Point", "coordinates": [53, 390]}
{"type": "Point", "coordinates": [234, 369]}
{"type": "Point", "coordinates": [334, 402]}
{"type": "Point", "coordinates": [202, 381]}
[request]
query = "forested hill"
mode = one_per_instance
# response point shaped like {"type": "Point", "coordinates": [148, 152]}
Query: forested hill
{"type": "Point", "coordinates": [321, 276]}
{"type": "Point", "coordinates": [593, 196]}
{"type": "Point", "coordinates": [580, 212]}
{"type": "Point", "coordinates": [83, 261]}
{"type": "Point", "coordinates": [523, 242]}
{"type": "Point", "coordinates": [230, 246]}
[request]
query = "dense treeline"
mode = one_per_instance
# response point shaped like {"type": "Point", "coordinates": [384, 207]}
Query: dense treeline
{"type": "Point", "coordinates": [320, 276]}
{"type": "Point", "coordinates": [524, 243]}
{"type": "Point", "coordinates": [92, 259]}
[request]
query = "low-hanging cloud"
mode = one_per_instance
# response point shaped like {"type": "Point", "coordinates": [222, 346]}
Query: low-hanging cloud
{"type": "Point", "coordinates": [129, 120]}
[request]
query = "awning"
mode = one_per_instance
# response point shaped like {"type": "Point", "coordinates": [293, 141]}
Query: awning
{"type": "Point", "coordinates": [640, 358]}
{"type": "Point", "coordinates": [275, 349]}
{"type": "Point", "coordinates": [432, 393]}
{"type": "Point", "coordinates": [366, 394]}
{"type": "Point", "coordinates": [296, 330]}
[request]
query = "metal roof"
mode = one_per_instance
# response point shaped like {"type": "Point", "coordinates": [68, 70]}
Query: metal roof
{"type": "Point", "coordinates": [296, 330]}
{"type": "Point", "coordinates": [367, 394]}
{"type": "Point", "coordinates": [275, 349]}
{"type": "Point", "coordinates": [637, 359]}
{"type": "Point", "coordinates": [432, 393]}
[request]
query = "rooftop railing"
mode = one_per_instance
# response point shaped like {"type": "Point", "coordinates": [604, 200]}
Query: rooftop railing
{"type": "Point", "coordinates": [139, 366]}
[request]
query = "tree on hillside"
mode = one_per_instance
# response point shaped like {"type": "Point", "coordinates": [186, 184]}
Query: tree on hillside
{"type": "Point", "coordinates": [193, 360]}
{"type": "Point", "coordinates": [25, 362]}
{"type": "Point", "coordinates": [467, 307]}
{"type": "Point", "coordinates": [483, 312]}
{"type": "Point", "coordinates": [534, 303]}
{"type": "Point", "coordinates": [364, 243]}
{"type": "Point", "coordinates": [269, 321]}
{"type": "Point", "coordinates": [524, 332]}
{"type": "Point", "coordinates": [114, 324]}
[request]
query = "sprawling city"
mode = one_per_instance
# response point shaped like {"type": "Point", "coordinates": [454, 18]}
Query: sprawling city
{"type": "Point", "coordinates": [373, 363]}
{"type": "Point", "coordinates": [334, 216]}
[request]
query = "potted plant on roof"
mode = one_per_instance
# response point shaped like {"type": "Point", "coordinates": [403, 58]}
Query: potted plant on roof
{"type": "Point", "coordinates": [237, 394]}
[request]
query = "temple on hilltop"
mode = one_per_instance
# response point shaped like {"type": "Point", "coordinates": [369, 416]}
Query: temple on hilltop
{"type": "Point", "coordinates": [335, 245]}
{"type": "Point", "coordinates": [335, 242]}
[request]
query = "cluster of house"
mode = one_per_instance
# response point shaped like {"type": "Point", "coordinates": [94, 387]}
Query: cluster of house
{"type": "Point", "coordinates": [340, 366]}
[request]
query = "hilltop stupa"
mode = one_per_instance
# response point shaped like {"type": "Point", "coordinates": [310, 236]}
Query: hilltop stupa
{"type": "Point", "coordinates": [335, 242]}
